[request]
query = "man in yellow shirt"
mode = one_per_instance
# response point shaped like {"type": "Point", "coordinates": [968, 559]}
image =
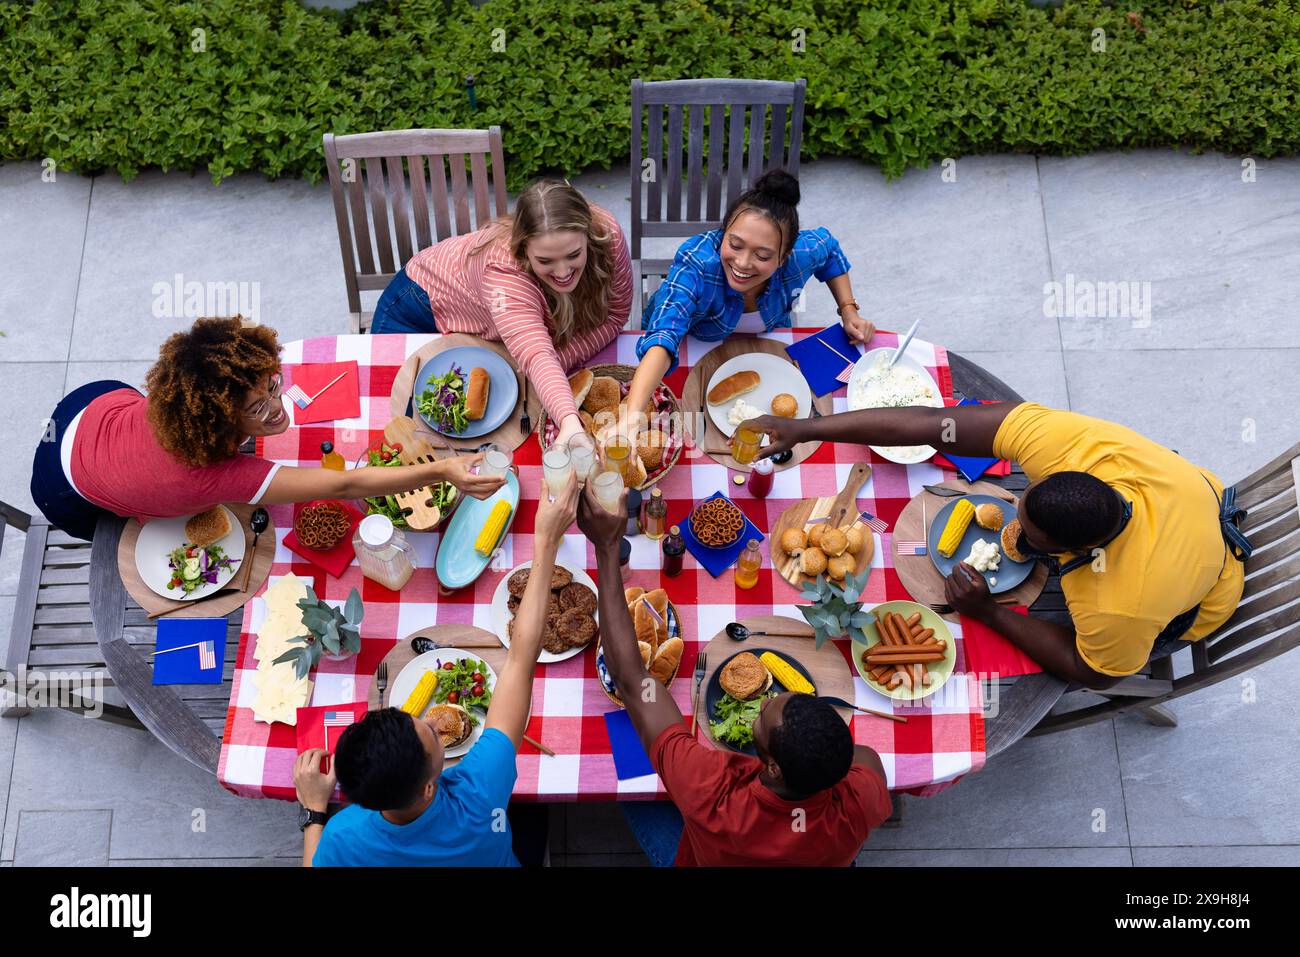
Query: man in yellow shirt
{"type": "Point", "coordinates": [1148, 550]}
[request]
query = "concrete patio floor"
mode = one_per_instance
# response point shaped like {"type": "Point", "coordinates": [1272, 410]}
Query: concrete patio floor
{"type": "Point", "coordinates": [1204, 375]}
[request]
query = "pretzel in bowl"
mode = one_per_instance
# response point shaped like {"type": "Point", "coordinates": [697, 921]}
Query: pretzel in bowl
{"type": "Point", "coordinates": [717, 523]}
{"type": "Point", "coordinates": [321, 526]}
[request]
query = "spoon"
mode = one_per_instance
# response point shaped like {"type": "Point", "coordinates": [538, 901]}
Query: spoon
{"type": "Point", "coordinates": [259, 522]}
{"type": "Point", "coordinates": [738, 632]}
{"type": "Point", "coordinates": [420, 645]}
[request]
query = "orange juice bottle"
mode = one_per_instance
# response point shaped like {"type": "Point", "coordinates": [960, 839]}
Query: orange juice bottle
{"type": "Point", "coordinates": [330, 459]}
{"type": "Point", "coordinates": [751, 559]}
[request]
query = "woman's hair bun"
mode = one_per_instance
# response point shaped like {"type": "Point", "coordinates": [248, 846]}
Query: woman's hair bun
{"type": "Point", "coordinates": [778, 185]}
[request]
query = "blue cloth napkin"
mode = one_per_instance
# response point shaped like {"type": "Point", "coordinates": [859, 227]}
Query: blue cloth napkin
{"type": "Point", "coordinates": [182, 667]}
{"type": "Point", "coordinates": [972, 468]}
{"type": "Point", "coordinates": [820, 365]}
{"type": "Point", "coordinates": [718, 560]}
{"type": "Point", "coordinates": [630, 759]}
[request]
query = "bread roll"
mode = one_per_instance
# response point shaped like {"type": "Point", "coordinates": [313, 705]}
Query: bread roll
{"type": "Point", "coordinates": [632, 594]}
{"type": "Point", "coordinates": [476, 394]}
{"type": "Point", "coordinates": [643, 621]}
{"type": "Point", "coordinates": [839, 566]}
{"type": "Point", "coordinates": [734, 386]}
{"type": "Point", "coordinates": [857, 538]}
{"type": "Point", "coordinates": [834, 542]}
{"type": "Point", "coordinates": [988, 516]}
{"type": "Point", "coordinates": [208, 528]}
{"type": "Point", "coordinates": [812, 561]}
{"type": "Point", "coordinates": [784, 404]}
{"type": "Point", "coordinates": [580, 382]}
{"type": "Point", "coordinates": [650, 447]}
{"type": "Point", "coordinates": [815, 534]}
{"type": "Point", "coordinates": [793, 541]}
{"type": "Point", "coordinates": [666, 659]}
{"type": "Point", "coordinates": [1009, 536]}
{"type": "Point", "coordinates": [602, 396]}
{"type": "Point", "coordinates": [646, 653]}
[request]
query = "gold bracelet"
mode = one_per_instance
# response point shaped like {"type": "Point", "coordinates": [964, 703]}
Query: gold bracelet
{"type": "Point", "coordinates": [839, 309]}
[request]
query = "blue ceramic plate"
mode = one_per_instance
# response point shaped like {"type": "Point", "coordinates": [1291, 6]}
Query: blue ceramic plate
{"type": "Point", "coordinates": [1009, 573]}
{"type": "Point", "coordinates": [503, 393]}
{"type": "Point", "coordinates": [457, 564]}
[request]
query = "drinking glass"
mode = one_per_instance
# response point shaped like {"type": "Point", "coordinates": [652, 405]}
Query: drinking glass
{"type": "Point", "coordinates": [496, 461]}
{"type": "Point", "coordinates": [744, 446]}
{"type": "Point", "coordinates": [583, 458]}
{"type": "Point", "coordinates": [608, 487]}
{"type": "Point", "coordinates": [557, 467]}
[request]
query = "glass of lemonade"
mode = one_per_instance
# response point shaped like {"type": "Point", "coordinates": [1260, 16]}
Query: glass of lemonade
{"type": "Point", "coordinates": [557, 466]}
{"type": "Point", "coordinates": [496, 461]}
{"type": "Point", "coordinates": [608, 487]}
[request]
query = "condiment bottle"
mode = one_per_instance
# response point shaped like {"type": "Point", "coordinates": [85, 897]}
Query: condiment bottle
{"type": "Point", "coordinates": [674, 549]}
{"type": "Point", "coordinates": [760, 479]}
{"type": "Point", "coordinates": [654, 516]}
{"type": "Point", "coordinates": [330, 459]}
{"type": "Point", "coordinates": [751, 559]}
{"type": "Point", "coordinates": [383, 552]}
{"type": "Point", "coordinates": [633, 512]}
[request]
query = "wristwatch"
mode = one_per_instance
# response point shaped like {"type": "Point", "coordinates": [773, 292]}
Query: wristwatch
{"type": "Point", "coordinates": [839, 309]}
{"type": "Point", "coordinates": [308, 817]}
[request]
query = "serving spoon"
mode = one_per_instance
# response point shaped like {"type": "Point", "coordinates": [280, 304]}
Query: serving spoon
{"type": "Point", "coordinates": [258, 522]}
{"type": "Point", "coordinates": [738, 632]}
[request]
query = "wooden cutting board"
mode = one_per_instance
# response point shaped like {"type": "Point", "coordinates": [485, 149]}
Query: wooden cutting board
{"type": "Point", "coordinates": [462, 636]}
{"type": "Point", "coordinates": [831, 674]}
{"type": "Point", "coordinates": [217, 606]}
{"type": "Point", "coordinates": [696, 412]}
{"type": "Point", "coordinates": [917, 572]}
{"type": "Point", "coordinates": [508, 435]}
{"type": "Point", "coordinates": [841, 510]}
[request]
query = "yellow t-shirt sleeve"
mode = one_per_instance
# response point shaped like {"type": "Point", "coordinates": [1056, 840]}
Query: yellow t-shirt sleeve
{"type": "Point", "coordinates": [1044, 440]}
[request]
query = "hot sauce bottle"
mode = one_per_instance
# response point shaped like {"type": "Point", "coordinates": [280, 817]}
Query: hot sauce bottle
{"type": "Point", "coordinates": [674, 549]}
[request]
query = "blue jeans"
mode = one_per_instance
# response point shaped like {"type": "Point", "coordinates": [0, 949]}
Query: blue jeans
{"type": "Point", "coordinates": [403, 307]}
{"type": "Point", "coordinates": [657, 826]}
{"type": "Point", "coordinates": [56, 499]}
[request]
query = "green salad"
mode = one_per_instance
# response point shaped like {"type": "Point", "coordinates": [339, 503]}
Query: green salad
{"type": "Point", "coordinates": [443, 401]}
{"type": "Point", "coordinates": [384, 455]}
{"type": "Point", "coordinates": [466, 683]}
{"type": "Point", "coordinates": [736, 726]}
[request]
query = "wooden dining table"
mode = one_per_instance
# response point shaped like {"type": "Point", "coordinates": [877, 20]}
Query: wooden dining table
{"type": "Point", "coordinates": [189, 719]}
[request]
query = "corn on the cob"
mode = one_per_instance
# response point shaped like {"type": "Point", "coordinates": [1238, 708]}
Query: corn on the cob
{"type": "Point", "coordinates": [958, 522]}
{"type": "Point", "coordinates": [492, 528]}
{"type": "Point", "coordinates": [418, 699]}
{"type": "Point", "coordinates": [786, 673]}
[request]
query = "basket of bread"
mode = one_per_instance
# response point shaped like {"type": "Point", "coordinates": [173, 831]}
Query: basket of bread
{"type": "Point", "coordinates": [658, 634]}
{"type": "Point", "coordinates": [599, 393]}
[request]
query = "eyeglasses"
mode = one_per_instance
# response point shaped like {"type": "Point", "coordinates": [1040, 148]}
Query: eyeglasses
{"type": "Point", "coordinates": [262, 411]}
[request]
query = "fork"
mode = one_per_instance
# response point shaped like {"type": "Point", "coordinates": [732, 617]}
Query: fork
{"type": "Point", "coordinates": [382, 676]}
{"type": "Point", "coordinates": [946, 609]}
{"type": "Point", "coordinates": [525, 423]}
{"type": "Point", "coordinates": [700, 665]}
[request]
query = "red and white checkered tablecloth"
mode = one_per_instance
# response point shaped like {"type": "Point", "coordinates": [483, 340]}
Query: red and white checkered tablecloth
{"type": "Point", "coordinates": [942, 740]}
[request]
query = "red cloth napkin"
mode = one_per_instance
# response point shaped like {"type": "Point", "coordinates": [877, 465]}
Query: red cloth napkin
{"type": "Point", "coordinates": [342, 400]}
{"type": "Point", "coordinates": [338, 558]}
{"type": "Point", "coordinates": [989, 653]}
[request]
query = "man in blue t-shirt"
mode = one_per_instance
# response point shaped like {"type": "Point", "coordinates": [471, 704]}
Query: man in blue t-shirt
{"type": "Point", "coordinates": [407, 811]}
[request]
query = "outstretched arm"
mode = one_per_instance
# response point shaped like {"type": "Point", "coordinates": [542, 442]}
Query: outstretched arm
{"type": "Point", "coordinates": [305, 484]}
{"type": "Point", "coordinates": [648, 703]}
{"type": "Point", "coordinates": [962, 430]}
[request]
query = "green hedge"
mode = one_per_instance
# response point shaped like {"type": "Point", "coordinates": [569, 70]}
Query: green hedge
{"type": "Point", "coordinates": [110, 85]}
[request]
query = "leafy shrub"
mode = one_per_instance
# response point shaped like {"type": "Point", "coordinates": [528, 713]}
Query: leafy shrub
{"type": "Point", "coordinates": [116, 85]}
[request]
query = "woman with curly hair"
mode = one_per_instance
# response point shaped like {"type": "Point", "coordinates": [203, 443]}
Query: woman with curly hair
{"type": "Point", "coordinates": [176, 451]}
{"type": "Point", "coordinates": [553, 281]}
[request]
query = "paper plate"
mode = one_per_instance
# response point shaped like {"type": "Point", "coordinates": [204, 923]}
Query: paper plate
{"type": "Point", "coordinates": [159, 538]}
{"type": "Point", "coordinates": [503, 392]}
{"type": "Point", "coordinates": [500, 613]}
{"type": "Point", "coordinates": [776, 375]}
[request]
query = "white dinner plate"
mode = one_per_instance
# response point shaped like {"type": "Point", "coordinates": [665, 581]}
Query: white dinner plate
{"type": "Point", "coordinates": [159, 538]}
{"type": "Point", "coordinates": [415, 669]}
{"type": "Point", "coordinates": [500, 613]}
{"type": "Point", "coordinates": [776, 375]}
{"type": "Point", "coordinates": [903, 455]}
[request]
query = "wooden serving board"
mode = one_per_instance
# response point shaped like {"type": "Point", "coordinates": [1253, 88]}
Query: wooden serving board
{"type": "Point", "coordinates": [403, 430]}
{"type": "Point", "coordinates": [917, 572]}
{"type": "Point", "coordinates": [831, 674]}
{"type": "Point", "coordinates": [696, 412]}
{"type": "Point", "coordinates": [508, 435]}
{"type": "Point", "coordinates": [844, 504]}
{"type": "Point", "coordinates": [217, 606]}
{"type": "Point", "coordinates": [462, 636]}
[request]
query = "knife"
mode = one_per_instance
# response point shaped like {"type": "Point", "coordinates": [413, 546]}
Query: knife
{"type": "Point", "coordinates": [942, 491]}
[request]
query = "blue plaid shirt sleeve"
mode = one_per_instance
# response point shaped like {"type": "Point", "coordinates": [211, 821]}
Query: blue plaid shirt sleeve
{"type": "Point", "coordinates": [825, 256]}
{"type": "Point", "coordinates": [673, 309]}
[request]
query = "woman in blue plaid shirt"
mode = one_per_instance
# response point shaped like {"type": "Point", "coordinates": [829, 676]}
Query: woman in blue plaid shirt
{"type": "Point", "coordinates": [744, 277]}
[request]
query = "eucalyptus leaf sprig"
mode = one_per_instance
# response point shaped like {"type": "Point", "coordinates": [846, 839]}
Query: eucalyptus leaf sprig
{"type": "Point", "coordinates": [835, 611]}
{"type": "Point", "coordinates": [331, 631]}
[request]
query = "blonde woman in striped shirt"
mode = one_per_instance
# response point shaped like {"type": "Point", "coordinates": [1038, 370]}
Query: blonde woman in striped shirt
{"type": "Point", "coordinates": [552, 281]}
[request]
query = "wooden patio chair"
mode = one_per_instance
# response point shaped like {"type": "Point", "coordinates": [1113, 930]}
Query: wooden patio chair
{"type": "Point", "coordinates": [57, 629]}
{"type": "Point", "coordinates": [739, 146]}
{"type": "Point", "coordinates": [384, 182]}
{"type": "Point", "coordinates": [1266, 623]}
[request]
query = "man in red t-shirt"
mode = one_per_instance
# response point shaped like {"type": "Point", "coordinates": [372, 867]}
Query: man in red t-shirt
{"type": "Point", "coordinates": [811, 796]}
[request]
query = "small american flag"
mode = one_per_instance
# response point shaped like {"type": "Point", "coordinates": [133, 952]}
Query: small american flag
{"type": "Point", "coordinates": [301, 399]}
{"type": "Point", "coordinates": [338, 719]}
{"type": "Point", "coordinates": [911, 548]}
{"type": "Point", "coordinates": [207, 655]}
{"type": "Point", "coordinates": [847, 372]}
{"type": "Point", "coordinates": [875, 524]}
